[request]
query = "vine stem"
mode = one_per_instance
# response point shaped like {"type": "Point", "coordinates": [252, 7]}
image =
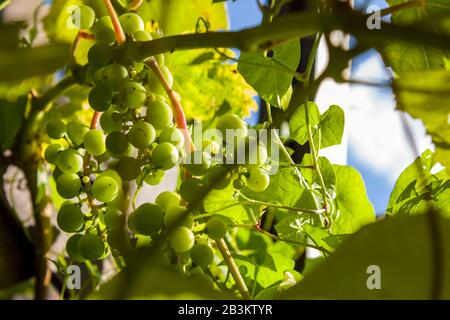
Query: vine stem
{"type": "Point", "coordinates": [135, 5]}
{"type": "Point", "coordinates": [82, 34]}
{"type": "Point", "coordinates": [120, 35]}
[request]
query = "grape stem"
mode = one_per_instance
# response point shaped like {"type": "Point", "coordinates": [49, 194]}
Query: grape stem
{"type": "Point", "coordinates": [82, 34]}
{"type": "Point", "coordinates": [135, 5]}
{"type": "Point", "coordinates": [120, 35]}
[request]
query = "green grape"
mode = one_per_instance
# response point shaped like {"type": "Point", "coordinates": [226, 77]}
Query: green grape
{"type": "Point", "coordinates": [51, 153]}
{"type": "Point", "coordinates": [198, 163]}
{"type": "Point", "coordinates": [160, 61]}
{"type": "Point", "coordinates": [113, 218]}
{"type": "Point", "coordinates": [68, 185]}
{"type": "Point", "coordinates": [257, 180]}
{"type": "Point", "coordinates": [128, 168]}
{"type": "Point", "coordinates": [116, 142]}
{"type": "Point", "coordinates": [232, 122]}
{"type": "Point", "coordinates": [104, 22]}
{"type": "Point", "coordinates": [107, 122]}
{"type": "Point", "coordinates": [105, 189]}
{"type": "Point", "coordinates": [192, 189]}
{"type": "Point", "coordinates": [202, 255]}
{"type": "Point", "coordinates": [56, 129]}
{"type": "Point", "coordinates": [141, 134]}
{"type": "Point", "coordinates": [155, 177]}
{"type": "Point", "coordinates": [105, 156]}
{"type": "Point", "coordinates": [148, 219]}
{"type": "Point", "coordinates": [172, 135]}
{"type": "Point", "coordinates": [70, 218]}
{"type": "Point", "coordinates": [131, 22]}
{"type": "Point", "coordinates": [83, 17]}
{"type": "Point", "coordinates": [159, 115]}
{"type": "Point", "coordinates": [167, 199]}
{"type": "Point", "coordinates": [85, 180]}
{"type": "Point", "coordinates": [98, 77]}
{"type": "Point", "coordinates": [216, 228]}
{"type": "Point", "coordinates": [177, 216]}
{"type": "Point", "coordinates": [91, 247]}
{"type": "Point", "coordinates": [100, 98]}
{"type": "Point", "coordinates": [181, 239]}
{"type": "Point", "coordinates": [114, 77]}
{"type": "Point", "coordinates": [167, 75]}
{"type": "Point", "coordinates": [116, 238]}
{"type": "Point", "coordinates": [100, 54]}
{"type": "Point", "coordinates": [142, 35]}
{"type": "Point", "coordinates": [111, 174]}
{"type": "Point", "coordinates": [250, 152]}
{"type": "Point", "coordinates": [72, 248]}
{"type": "Point", "coordinates": [69, 161]}
{"type": "Point", "coordinates": [56, 173]}
{"type": "Point", "coordinates": [132, 95]}
{"type": "Point", "coordinates": [219, 177]}
{"type": "Point", "coordinates": [93, 165]}
{"type": "Point", "coordinates": [211, 147]}
{"type": "Point", "coordinates": [94, 142]}
{"type": "Point", "coordinates": [238, 183]}
{"type": "Point", "coordinates": [76, 131]}
{"type": "Point", "coordinates": [165, 156]}
{"type": "Point", "coordinates": [154, 85]}
{"type": "Point", "coordinates": [105, 35]}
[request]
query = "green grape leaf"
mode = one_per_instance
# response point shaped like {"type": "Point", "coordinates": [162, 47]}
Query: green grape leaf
{"type": "Point", "coordinates": [353, 205]}
{"type": "Point", "coordinates": [317, 235]}
{"type": "Point", "coordinates": [271, 76]}
{"type": "Point", "coordinates": [178, 16]}
{"type": "Point", "coordinates": [297, 123]}
{"type": "Point", "coordinates": [399, 247]}
{"type": "Point", "coordinates": [12, 114]}
{"type": "Point", "coordinates": [292, 228]}
{"type": "Point", "coordinates": [332, 126]}
{"type": "Point", "coordinates": [425, 96]}
{"type": "Point", "coordinates": [220, 85]}
{"type": "Point", "coordinates": [311, 175]}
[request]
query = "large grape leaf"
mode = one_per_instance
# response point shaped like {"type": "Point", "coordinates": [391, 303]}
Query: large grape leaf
{"type": "Point", "coordinates": [206, 83]}
{"type": "Point", "coordinates": [402, 249]}
{"type": "Point", "coordinates": [272, 76]}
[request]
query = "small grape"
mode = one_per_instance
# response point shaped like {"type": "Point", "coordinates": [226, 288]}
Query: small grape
{"type": "Point", "coordinates": [107, 122]}
{"type": "Point", "coordinates": [70, 218]}
{"type": "Point", "coordinates": [177, 216]}
{"type": "Point", "coordinates": [111, 174]}
{"type": "Point", "coordinates": [216, 228]}
{"type": "Point", "coordinates": [100, 98]}
{"type": "Point", "coordinates": [68, 185]}
{"type": "Point", "coordinates": [172, 135]}
{"type": "Point", "coordinates": [155, 177]}
{"type": "Point", "coordinates": [198, 163]}
{"type": "Point", "coordinates": [148, 218]}
{"type": "Point", "coordinates": [100, 54]}
{"type": "Point", "coordinates": [91, 247]}
{"type": "Point", "coordinates": [116, 142]}
{"type": "Point", "coordinates": [211, 147]}
{"type": "Point", "coordinates": [72, 248]}
{"type": "Point", "coordinates": [165, 156]}
{"type": "Point", "coordinates": [105, 189]}
{"type": "Point", "coordinates": [132, 95]}
{"type": "Point", "coordinates": [85, 180]}
{"type": "Point", "coordinates": [69, 161]}
{"type": "Point", "coordinates": [159, 115]}
{"type": "Point", "coordinates": [141, 134]}
{"type": "Point", "coordinates": [56, 129]}
{"type": "Point", "coordinates": [113, 219]}
{"type": "Point", "coordinates": [250, 152]}
{"type": "Point", "coordinates": [239, 183]}
{"type": "Point", "coordinates": [142, 35]}
{"type": "Point", "coordinates": [76, 131]}
{"type": "Point", "coordinates": [181, 239]}
{"type": "Point", "coordinates": [257, 180]}
{"type": "Point", "coordinates": [131, 22]}
{"type": "Point", "coordinates": [83, 17]}
{"type": "Point", "coordinates": [56, 173]}
{"type": "Point", "coordinates": [160, 61]}
{"type": "Point", "coordinates": [202, 255]}
{"type": "Point", "coordinates": [167, 199]}
{"type": "Point", "coordinates": [128, 168]}
{"type": "Point", "coordinates": [104, 22]}
{"type": "Point", "coordinates": [192, 189]}
{"type": "Point", "coordinates": [234, 123]}
{"type": "Point", "coordinates": [105, 156]}
{"type": "Point", "coordinates": [219, 177]}
{"type": "Point", "coordinates": [105, 35]}
{"type": "Point", "coordinates": [94, 142]}
{"type": "Point", "coordinates": [51, 153]}
{"type": "Point", "coordinates": [114, 77]}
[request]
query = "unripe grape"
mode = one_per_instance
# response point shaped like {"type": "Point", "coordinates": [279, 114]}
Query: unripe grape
{"type": "Point", "coordinates": [70, 218]}
{"type": "Point", "coordinates": [148, 219]}
{"type": "Point", "coordinates": [216, 228]}
{"type": "Point", "coordinates": [181, 239]}
{"type": "Point", "coordinates": [76, 131]}
{"type": "Point", "coordinates": [108, 123]}
{"type": "Point", "coordinates": [72, 248]}
{"type": "Point", "coordinates": [141, 134]}
{"type": "Point", "coordinates": [69, 161]}
{"type": "Point", "coordinates": [142, 35]}
{"type": "Point", "coordinates": [94, 142]}
{"type": "Point", "coordinates": [116, 142]}
{"type": "Point", "coordinates": [91, 247]}
{"type": "Point", "coordinates": [198, 163]}
{"type": "Point", "coordinates": [100, 54]}
{"type": "Point", "coordinates": [250, 152]}
{"type": "Point", "coordinates": [165, 156]}
{"type": "Point", "coordinates": [105, 35]}
{"type": "Point", "coordinates": [159, 115]}
{"type": "Point", "coordinates": [172, 135]}
{"type": "Point", "coordinates": [131, 22]}
{"type": "Point", "coordinates": [177, 216]}
{"type": "Point", "coordinates": [155, 177]}
{"type": "Point", "coordinates": [114, 77]}
{"type": "Point", "coordinates": [68, 185]}
{"type": "Point", "coordinates": [132, 95]}
{"type": "Point", "coordinates": [113, 218]}
{"type": "Point", "coordinates": [105, 189]}
{"type": "Point", "coordinates": [51, 153]}
{"type": "Point", "coordinates": [104, 22]}
{"type": "Point", "coordinates": [192, 189]}
{"type": "Point", "coordinates": [83, 17]}
{"type": "Point", "coordinates": [56, 173]}
{"type": "Point", "coordinates": [219, 177]}
{"type": "Point", "coordinates": [105, 156]}
{"type": "Point", "coordinates": [128, 168]}
{"type": "Point", "coordinates": [232, 122]}
{"type": "Point", "coordinates": [257, 180]}
{"type": "Point", "coordinates": [202, 255]}
{"type": "Point", "coordinates": [56, 129]}
{"type": "Point", "coordinates": [100, 98]}
{"type": "Point", "coordinates": [211, 147]}
{"type": "Point", "coordinates": [167, 199]}
{"type": "Point", "coordinates": [239, 183]}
